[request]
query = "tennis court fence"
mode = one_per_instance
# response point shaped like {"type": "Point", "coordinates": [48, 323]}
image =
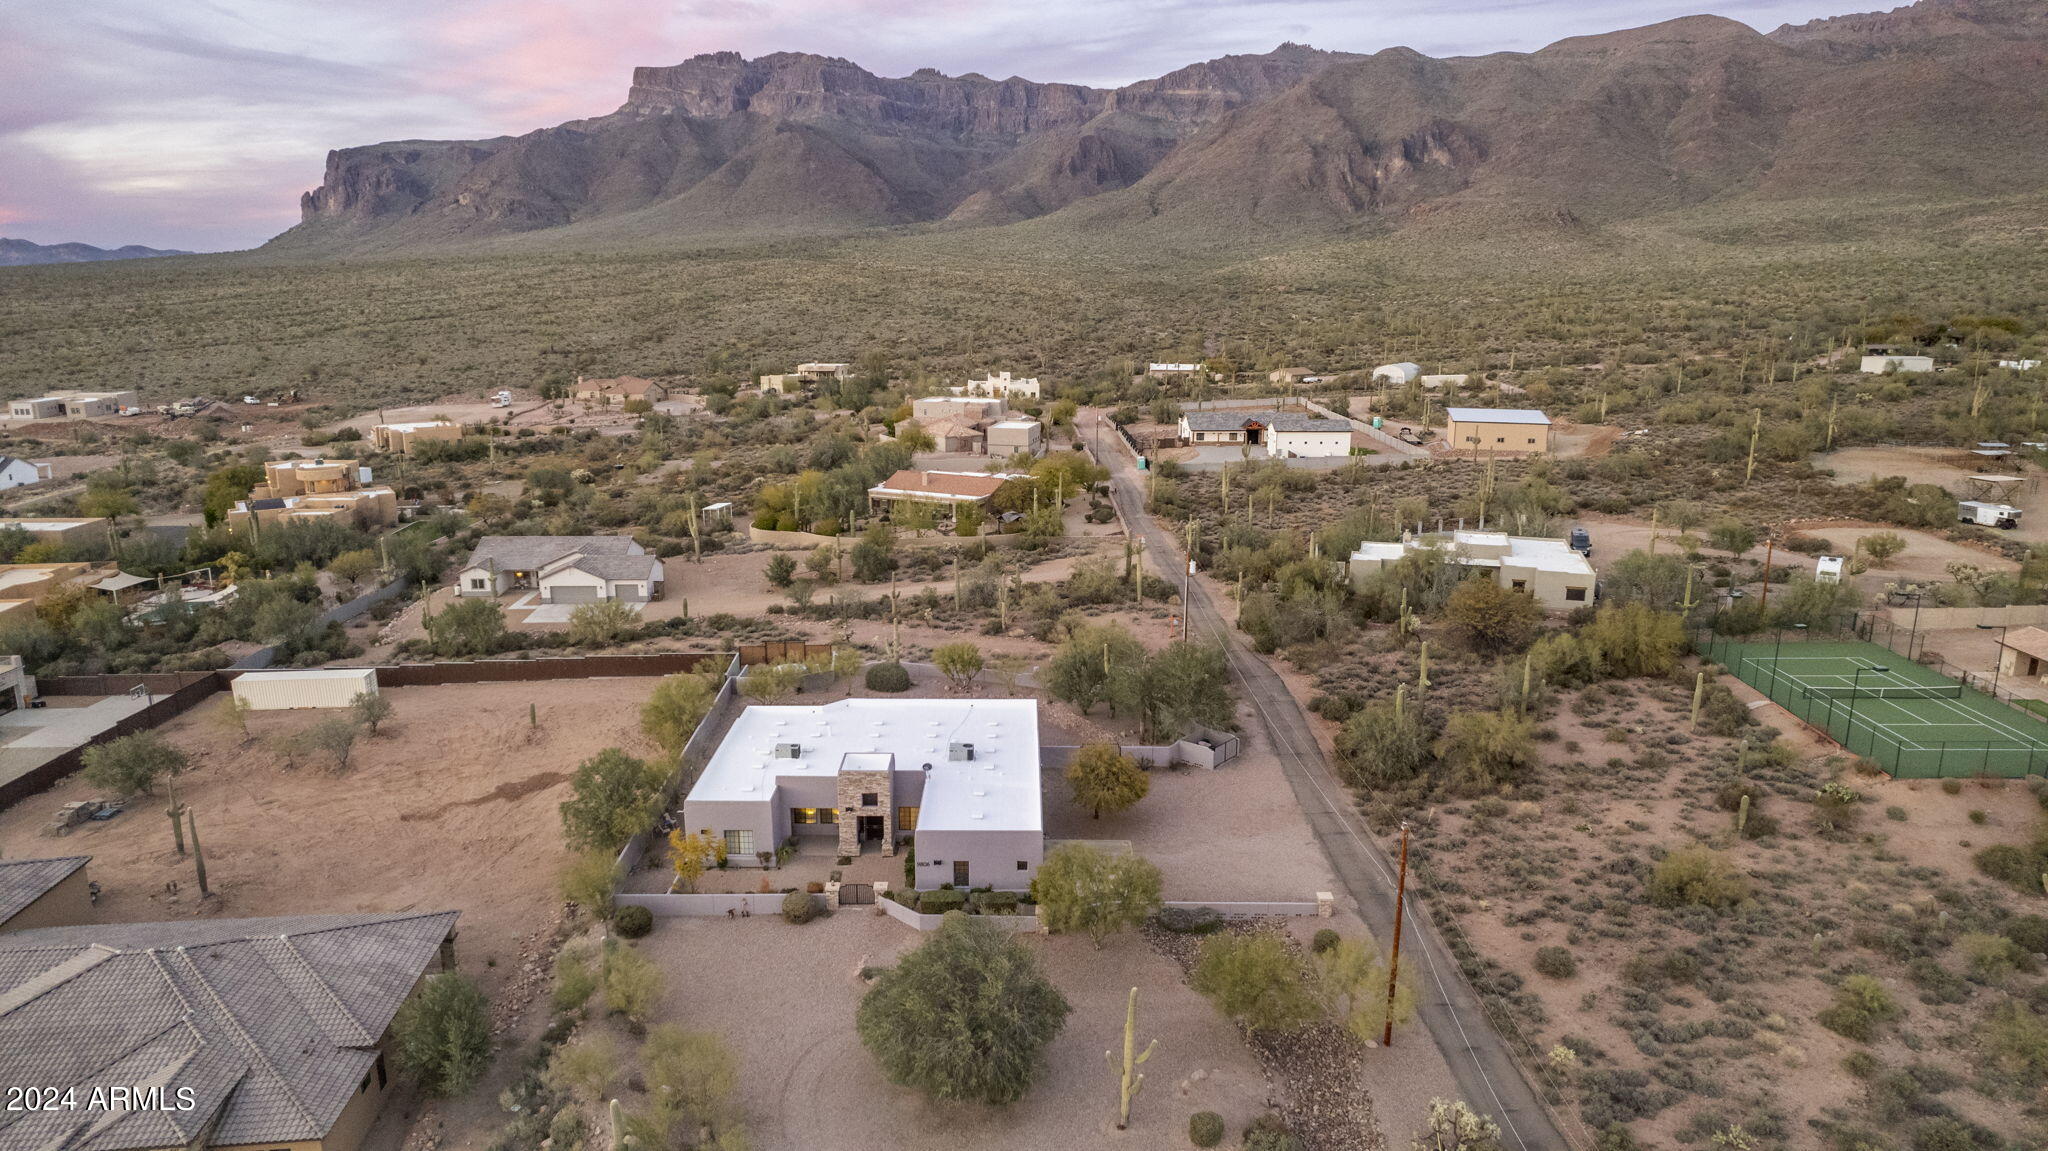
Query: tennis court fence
{"type": "Point", "coordinates": [2014, 754]}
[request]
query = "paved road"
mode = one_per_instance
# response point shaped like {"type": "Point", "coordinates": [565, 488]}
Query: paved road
{"type": "Point", "coordinates": [1488, 1075]}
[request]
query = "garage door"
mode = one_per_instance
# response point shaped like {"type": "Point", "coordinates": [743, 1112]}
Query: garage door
{"type": "Point", "coordinates": [572, 593]}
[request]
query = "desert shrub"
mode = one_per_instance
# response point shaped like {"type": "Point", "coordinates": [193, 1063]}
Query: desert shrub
{"type": "Point", "coordinates": [1937, 984]}
{"type": "Point", "coordinates": [2029, 931]}
{"type": "Point", "coordinates": [1379, 747]}
{"type": "Point", "coordinates": [443, 1034]}
{"type": "Point", "coordinates": [1254, 981]}
{"type": "Point", "coordinates": [1992, 957]}
{"type": "Point", "coordinates": [2020, 866]}
{"type": "Point", "coordinates": [1269, 1133]}
{"type": "Point", "coordinates": [799, 907]}
{"type": "Point", "coordinates": [1861, 1007]}
{"type": "Point", "coordinates": [2016, 1042]}
{"type": "Point", "coordinates": [940, 901]}
{"type": "Point", "coordinates": [1325, 939]}
{"type": "Point", "coordinates": [1952, 786]}
{"type": "Point", "coordinates": [1834, 807]}
{"type": "Point", "coordinates": [1697, 877]}
{"type": "Point", "coordinates": [1556, 962]}
{"type": "Point", "coordinates": [1190, 920]}
{"type": "Point", "coordinates": [633, 922]}
{"type": "Point", "coordinates": [1205, 1129]}
{"type": "Point", "coordinates": [890, 677]}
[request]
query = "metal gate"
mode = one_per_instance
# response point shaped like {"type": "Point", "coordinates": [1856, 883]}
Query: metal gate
{"type": "Point", "coordinates": [854, 894]}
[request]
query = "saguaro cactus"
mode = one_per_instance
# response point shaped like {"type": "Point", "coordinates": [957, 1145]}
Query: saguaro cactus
{"type": "Point", "coordinates": [1132, 1080]}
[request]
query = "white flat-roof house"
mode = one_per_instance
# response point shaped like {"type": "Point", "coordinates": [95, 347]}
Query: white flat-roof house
{"type": "Point", "coordinates": [1000, 384]}
{"type": "Point", "coordinates": [564, 569]}
{"type": "Point", "coordinates": [1879, 365]}
{"type": "Point", "coordinates": [1559, 578]}
{"type": "Point", "coordinates": [72, 405]}
{"type": "Point", "coordinates": [1401, 373]}
{"type": "Point", "coordinates": [958, 778]}
{"type": "Point", "coordinates": [1281, 434]}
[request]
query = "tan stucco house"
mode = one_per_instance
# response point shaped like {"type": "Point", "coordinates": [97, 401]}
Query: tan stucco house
{"type": "Point", "coordinates": [257, 1034]}
{"type": "Point", "coordinates": [44, 893]}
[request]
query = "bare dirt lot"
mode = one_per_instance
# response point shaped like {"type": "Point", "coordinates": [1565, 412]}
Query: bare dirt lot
{"type": "Point", "coordinates": [785, 997]}
{"type": "Point", "coordinates": [451, 805]}
{"type": "Point", "coordinates": [1949, 468]}
{"type": "Point", "coordinates": [1925, 559]}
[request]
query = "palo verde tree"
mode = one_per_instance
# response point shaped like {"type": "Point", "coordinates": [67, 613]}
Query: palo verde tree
{"type": "Point", "coordinates": [966, 1016]}
{"type": "Point", "coordinates": [1103, 779]}
{"type": "Point", "coordinates": [1084, 888]}
{"type": "Point", "coordinates": [443, 1034]}
{"type": "Point", "coordinates": [675, 708]}
{"type": "Point", "coordinates": [614, 797]}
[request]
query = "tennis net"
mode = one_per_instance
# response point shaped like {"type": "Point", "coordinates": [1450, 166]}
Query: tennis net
{"type": "Point", "coordinates": [1917, 691]}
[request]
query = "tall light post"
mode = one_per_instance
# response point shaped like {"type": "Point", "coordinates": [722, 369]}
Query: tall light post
{"type": "Point", "coordinates": [1998, 657]}
{"type": "Point", "coordinates": [1777, 654]}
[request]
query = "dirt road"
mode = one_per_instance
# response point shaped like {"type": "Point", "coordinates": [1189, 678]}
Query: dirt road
{"type": "Point", "coordinates": [1488, 1075]}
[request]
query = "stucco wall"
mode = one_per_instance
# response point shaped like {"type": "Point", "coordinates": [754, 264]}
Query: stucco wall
{"type": "Point", "coordinates": [66, 905]}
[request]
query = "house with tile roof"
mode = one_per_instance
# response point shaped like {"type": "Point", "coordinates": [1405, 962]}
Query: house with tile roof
{"type": "Point", "coordinates": [258, 1033]}
{"type": "Point", "coordinates": [563, 569]}
{"type": "Point", "coordinates": [44, 893]}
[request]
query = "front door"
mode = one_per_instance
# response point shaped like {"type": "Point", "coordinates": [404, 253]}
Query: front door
{"type": "Point", "coordinates": [960, 873]}
{"type": "Point", "coordinates": [870, 827]}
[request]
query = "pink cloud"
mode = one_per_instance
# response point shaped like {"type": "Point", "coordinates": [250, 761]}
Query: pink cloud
{"type": "Point", "coordinates": [11, 215]}
{"type": "Point", "coordinates": [533, 62]}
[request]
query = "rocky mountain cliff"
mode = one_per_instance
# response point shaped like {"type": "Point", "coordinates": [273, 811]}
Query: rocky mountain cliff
{"type": "Point", "coordinates": [20, 253]}
{"type": "Point", "coordinates": [1943, 99]}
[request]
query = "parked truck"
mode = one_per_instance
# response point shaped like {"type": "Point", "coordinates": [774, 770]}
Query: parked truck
{"type": "Point", "coordinates": [1989, 515]}
{"type": "Point", "coordinates": [1581, 541]}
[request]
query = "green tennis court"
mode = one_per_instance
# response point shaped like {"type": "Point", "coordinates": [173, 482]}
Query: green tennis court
{"type": "Point", "coordinates": [1910, 718]}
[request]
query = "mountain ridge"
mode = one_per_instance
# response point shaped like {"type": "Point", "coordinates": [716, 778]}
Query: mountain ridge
{"type": "Point", "coordinates": [1294, 142]}
{"type": "Point", "coordinates": [17, 253]}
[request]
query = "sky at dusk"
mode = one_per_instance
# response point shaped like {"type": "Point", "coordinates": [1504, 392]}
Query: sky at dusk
{"type": "Point", "coordinates": [197, 123]}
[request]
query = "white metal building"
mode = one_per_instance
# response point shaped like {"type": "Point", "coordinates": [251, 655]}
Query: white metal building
{"type": "Point", "coordinates": [1401, 373]}
{"type": "Point", "coordinates": [958, 778]}
{"type": "Point", "coordinates": [312, 687]}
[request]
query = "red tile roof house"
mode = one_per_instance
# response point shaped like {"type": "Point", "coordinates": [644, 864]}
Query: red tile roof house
{"type": "Point", "coordinates": [259, 1033]}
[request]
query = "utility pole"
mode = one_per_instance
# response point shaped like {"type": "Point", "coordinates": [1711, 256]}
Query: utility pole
{"type": "Point", "coordinates": [1394, 966]}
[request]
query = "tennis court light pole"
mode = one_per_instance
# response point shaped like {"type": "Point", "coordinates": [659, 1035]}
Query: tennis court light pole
{"type": "Point", "coordinates": [1998, 660]}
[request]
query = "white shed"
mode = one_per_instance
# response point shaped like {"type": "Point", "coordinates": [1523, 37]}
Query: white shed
{"type": "Point", "coordinates": [313, 687]}
{"type": "Point", "coordinates": [1401, 373]}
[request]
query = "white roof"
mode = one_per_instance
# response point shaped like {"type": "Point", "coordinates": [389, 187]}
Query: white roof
{"type": "Point", "coordinates": [1551, 555]}
{"type": "Point", "coordinates": [417, 425]}
{"type": "Point", "coordinates": [1987, 504]}
{"type": "Point", "coordinates": [997, 790]}
{"type": "Point", "coordinates": [1174, 367]}
{"type": "Point", "coordinates": [45, 525]}
{"type": "Point", "coordinates": [1014, 425]}
{"type": "Point", "coordinates": [355, 673]}
{"type": "Point", "coordinates": [1497, 415]}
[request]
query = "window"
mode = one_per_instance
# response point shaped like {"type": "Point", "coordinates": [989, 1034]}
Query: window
{"type": "Point", "coordinates": [1500, 439]}
{"type": "Point", "coordinates": [906, 819]}
{"type": "Point", "coordinates": [1575, 594]}
{"type": "Point", "coordinates": [828, 815]}
{"type": "Point", "coordinates": [869, 799]}
{"type": "Point", "coordinates": [476, 585]}
{"type": "Point", "coordinates": [739, 843]}
{"type": "Point", "coordinates": [810, 815]}
{"type": "Point", "coordinates": [1023, 865]}
{"type": "Point", "coordinates": [960, 873]}
{"type": "Point", "coordinates": [364, 1085]}
{"type": "Point", "coordinates": [1518, 585]}
{"type": "Point", "coordinates": [1532, 439]}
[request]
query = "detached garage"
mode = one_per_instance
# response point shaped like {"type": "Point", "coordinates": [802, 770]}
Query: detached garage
{"type": "Point", "coordinates": [315, 687]}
